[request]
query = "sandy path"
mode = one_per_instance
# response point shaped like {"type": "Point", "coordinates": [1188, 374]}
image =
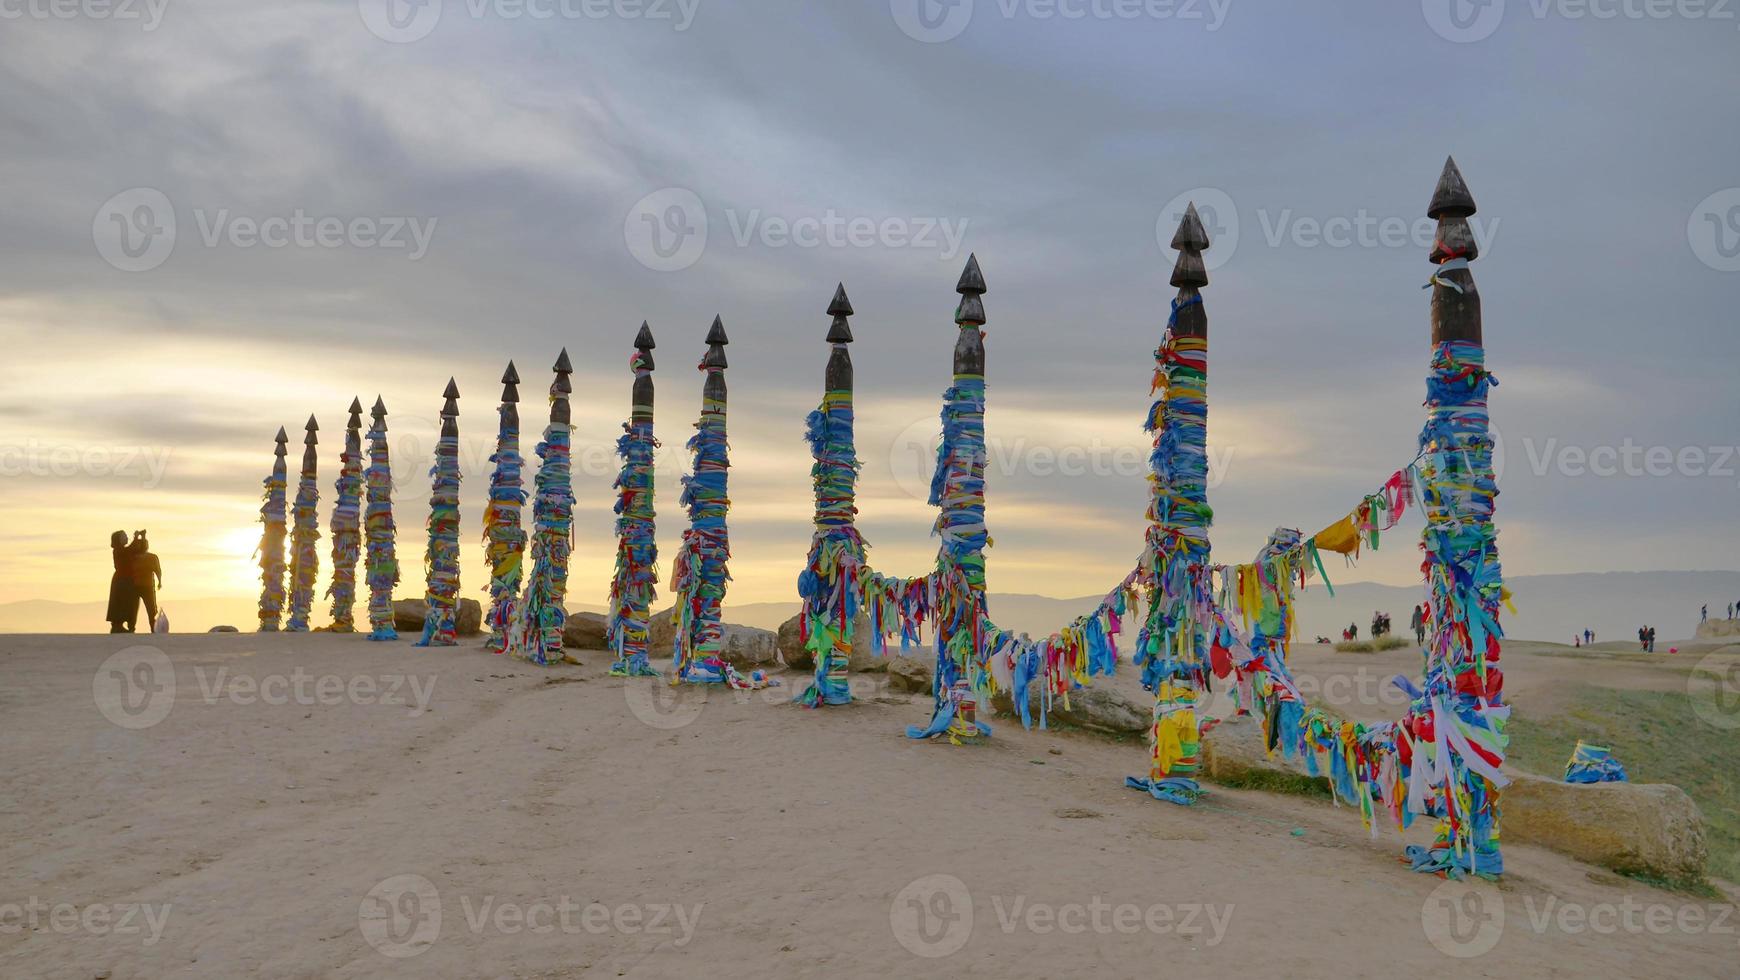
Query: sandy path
{"type": "Point", "coordinates": [788, 839]}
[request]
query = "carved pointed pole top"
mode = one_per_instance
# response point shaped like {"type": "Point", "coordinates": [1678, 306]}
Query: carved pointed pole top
{"type": "Point", "coordinates": [356, 411]}
{"type": "Point", "coordinates": [714, 359]}
{"type": "Point", "coordinates": [1451, 196]}
{"type": "Point", "coordinates": [510, 379]}
{"type": "Point", "coordinates": [379, 414]}
{"type": "Point", "coordinates": [311, 429]}
{"type": "Point", "coordinates": [560, 388]}
{"type": "Point", "coordinates": [971, 286]}
{"type": "Point", "coordinates": [969, 356]}
{"type": "Point", "coordinates": [282, 439]}
{"type": "Point", "coordinates": [1455, 298]}
{"type": "Point", "coordinates": [1189, 275]}
{"type": "Point", "coordinates": [641, 363]}
{"type": "Point", "coordinates": [838, 376]}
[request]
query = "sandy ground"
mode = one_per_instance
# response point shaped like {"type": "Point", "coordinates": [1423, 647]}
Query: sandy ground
{"type": "Point", "coordinates": [270, 816]}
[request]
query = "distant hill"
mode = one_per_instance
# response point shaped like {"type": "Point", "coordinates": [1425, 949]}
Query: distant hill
{"type": "Point", "coordinates": [1549, 607]}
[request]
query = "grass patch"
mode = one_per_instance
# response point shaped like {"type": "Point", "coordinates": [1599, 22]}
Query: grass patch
{"type": "Point", "coordinates": [1270, 781]}
{"type": "Point", "coordinates": [1659, 739]}
{"type": "Point", "coordinates": [1382, 643]}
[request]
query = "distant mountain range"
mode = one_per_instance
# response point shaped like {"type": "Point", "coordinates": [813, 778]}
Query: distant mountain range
{"type": "Point", "coordinates": [1549, 607]}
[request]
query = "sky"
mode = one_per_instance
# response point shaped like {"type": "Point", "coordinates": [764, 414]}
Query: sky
{"type": "Point", "coordinates": [220, 217]}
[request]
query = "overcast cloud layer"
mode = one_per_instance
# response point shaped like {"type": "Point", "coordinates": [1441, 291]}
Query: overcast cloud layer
{"type": "Point", "coordinates": [500, 184]}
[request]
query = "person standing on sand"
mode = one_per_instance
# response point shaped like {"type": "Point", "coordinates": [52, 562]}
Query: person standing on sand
{"type": "Point", "coordinates": [1418, 622]}
{"type": "Point", "coordinates": [1704, 613]}
{"type": "Point", "coordinates": [123, 600]}
{"type": "Point", "coordinates": [147, 574]}
{"type": "Point", "coordinates": [1650, 632]}
{"type": "Point", "coordinates": [1588, 637]}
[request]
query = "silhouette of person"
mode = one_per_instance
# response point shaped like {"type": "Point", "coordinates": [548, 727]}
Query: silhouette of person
{"type": "Point", "coordinates": [147, 575]}
{"type": "Point", "coordinates": [123, 598]}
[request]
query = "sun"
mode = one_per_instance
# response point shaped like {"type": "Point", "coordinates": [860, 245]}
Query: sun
{"type": "Point", "coordinates": [240, 570]}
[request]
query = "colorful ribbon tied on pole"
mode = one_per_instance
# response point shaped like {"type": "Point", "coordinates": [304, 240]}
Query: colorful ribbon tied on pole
{"type": "Point", "coordinates": [378, 529]}
{"type": "Point", "coordinates": [346, 527]}
{"type": "Point", "coordinates": [442, 558]}
{"type": "Point", "coordinates": [828, 584]}
{"type": "Point", "coordinates": [1171, 647]}
{"type": "Point", "coordinates": [504, 540]}
{"type": "Point", "coordinates": [958, 490]}
{"type": "Point", "coordinates": [271, 551]}
{"type": "Point", "coordinates": [304, 559]}
{"type": "Point", "coordinates": [700, 575]}
{"type": "Point", "coordinates": [540, 616]}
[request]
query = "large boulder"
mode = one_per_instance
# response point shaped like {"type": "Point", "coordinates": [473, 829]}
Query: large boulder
{"type": "Point", "coordinates": [747, 646]}
{"type": "Point", "coordinates": [408, 616]}
{"type": "Point", "coordinates": [1719, 629]}
{"type": "Point", "coordinates": [584, 631]}
{"type": "Point", "coordinates": [1102, 709]}
{"type": "Point", "coordinates": [1640, 828]}
{"type": "Point", "coordinates": [916, 675]}
{"type": "Point", "coordinates": [863, 659]}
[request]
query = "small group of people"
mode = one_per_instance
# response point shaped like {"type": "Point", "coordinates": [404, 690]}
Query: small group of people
{"type": "Point", "coordinates": [1380, 624]}
{"type": "Point", "coordinates": [138, 576]}
{"type": "Point", "coordinates": [1646, 638]}
{"type": "Point", "coordinates": [1705, 612]}
{"type": "Point", "coordinates": [1583, 639]}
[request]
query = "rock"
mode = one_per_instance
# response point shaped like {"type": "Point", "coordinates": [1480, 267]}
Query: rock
{"type": "Point", "coordinates": [408, 616]}
{"type": "Point", "coordinates": [741, 646]}
{"type": "Point", "coordinates": [862, 661]}
{"type": "Point", "coordinates": [1719, 629]}
{"type": "Point", "coordinates": [747, 646]}
{"type": "Point", "coordinates": [916, 675]}
{"type": "Point", "coordinates": [222, 629]}
{"type": "Point", "coordinates": [1102, 709]}
{"type": "Point", "coordinates": [1640, 828]}
{"type": "Point", "coordinates": [469, 620]}
{"type": "Point", "coordinates": [584, 631]}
